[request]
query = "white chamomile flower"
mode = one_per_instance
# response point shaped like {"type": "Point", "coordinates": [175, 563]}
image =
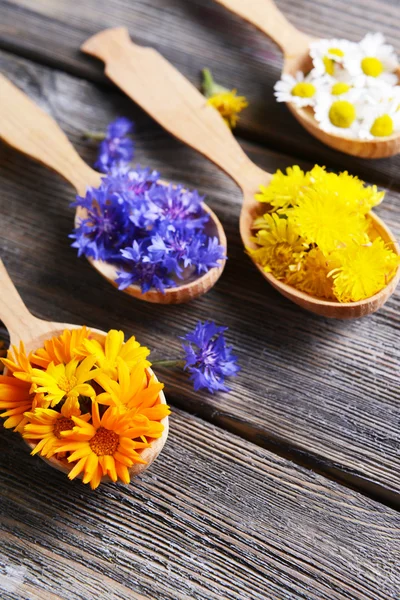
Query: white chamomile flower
{"type": "Point", "coordinates": [373, 95]}
{"type": "Point", "coordinates": [338, 116]}
{"type": "Point", "coordinates": [339, 90]}
{"type": "Point", "coordinates": [301, 90]}
{"type": "Point", "coordinates": [380, 121]}
{"type": "Point", "coordinates": [375, 61]}
{"type": "Point", "coordinates": [328, 56]}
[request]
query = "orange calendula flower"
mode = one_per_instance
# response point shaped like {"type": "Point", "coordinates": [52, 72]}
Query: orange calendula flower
{"type": "Point", "coordinates": [107, 353]}
{"type": "Point", "coordinates": [107, 446]}
{"type": "Point", "coordinates": [45, 426]}
{"type": "Point", "coordinates": [19, 364]}
{"type": "Point", "coordinates": [67, 382]}
{"type": "Point", "coordinates": [15, 399]}
{"type": "Point", "coordinates": [133, 392]}
{"type": "Point", "coordinates": [61, 349]}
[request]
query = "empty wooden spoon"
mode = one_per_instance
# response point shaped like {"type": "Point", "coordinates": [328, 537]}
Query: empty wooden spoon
{"type": "Point", "coordinates": [27, 128]}
{"type": "Point", "coordinates": [23, 326]}
{"type": "Point", "coordinates": [294, 44]}
{"type": "Point", "coordinates": [173, 101]}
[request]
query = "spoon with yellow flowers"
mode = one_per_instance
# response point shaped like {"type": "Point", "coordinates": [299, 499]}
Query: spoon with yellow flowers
{"type": "Point", "coordinates": [116, 211]}
{"type": "Point", "coordinates": [85, 401]}
{"type": "Point", "coordinates": [346, 94]}
{"type": "Point", "coordinates": [308, 218]}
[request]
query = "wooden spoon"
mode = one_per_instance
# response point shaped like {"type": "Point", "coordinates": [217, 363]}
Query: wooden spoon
{"type": "Point", "coordinates": [179, 107]}
{"type": "Point", "coordinates": [294, 44]}
{"type": "Point", "coordinates": [27, 128]}
{"type": "Point", "coordinates": [23, 326]}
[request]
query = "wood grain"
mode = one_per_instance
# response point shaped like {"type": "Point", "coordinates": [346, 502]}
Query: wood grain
{"type": "Point", "coordinates": [327, 392]}
{"type": "Point", "coordinates": [215, 517]}
{"type": "Point", "coordinates": [193, 34]}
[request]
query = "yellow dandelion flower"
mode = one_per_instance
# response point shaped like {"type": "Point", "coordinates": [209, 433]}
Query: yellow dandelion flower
{"type": "Point", "coordinates": [363, 270]}
{"type": "Point", "coordinates": [19, 364]}
{"type": "Point", "coordinates": [312, 275]}
{"type": "Point", "coordinates": [280, 245]}
{"type": "Point", "coordinates": [284, 190]}
{"type": "Point", "coordinates": [107, 352]}
{"type": "Point", "coordinates": [346, 189]}
{"type": "Point", "coordinates": [61, 349]}
{"type": "Point", "coordinates": [45, 425]}
{"type": "Point", "coordinates": [15, 400]}
{"type": "Point", "coordinates": [227, 102]}
{"type": "Point", "coordinates": [106, 446]}
{"type": "Point", "coordinates": [229, 105]}
{"type": "Point", "coordinates": [323, 221]}
{"type": "Point", "coordinates": [67, 382]}
{"type": "Point", "coordinates": [133, 392]}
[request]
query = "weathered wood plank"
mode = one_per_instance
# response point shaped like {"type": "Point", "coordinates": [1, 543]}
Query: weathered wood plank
{"type": "Point", "coordinates": [326, 390]}
{"type": "Point", "coordinates": [197, 33]}
{"type": "Point", "coordinates": [215, 517]}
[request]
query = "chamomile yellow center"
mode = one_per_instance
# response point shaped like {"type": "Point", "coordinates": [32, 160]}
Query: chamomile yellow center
{"type": "Point", "coordinates": [340, 88]}
{"type": "Point", "coordinates": [105, 441]}
{"type": "Point", "coordinates": [382, 126]}
{"type": "Point", "coordinates": [336, 51]}
{"type": "Point", "coordinates": [67, 384]}
{"type": "Point", "coordinates": [342, 114]}
{"type": "Point", "coordinates": [304, 90]}
{"type": "Point", "coordinates": [372, 66]}
{"type": "Point", "coordinates": [329, 65]}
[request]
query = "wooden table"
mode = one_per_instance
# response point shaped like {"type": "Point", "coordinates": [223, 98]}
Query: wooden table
{"type": "Point", "coordinates": [289, 487]}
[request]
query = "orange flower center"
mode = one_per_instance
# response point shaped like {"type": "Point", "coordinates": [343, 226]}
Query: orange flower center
{"type": "Point", "coordinates": [66, 384]}
{"type": "Point", "coordinates": [62, 424]}
{"type": "Point", "coordinates": [104, 442]}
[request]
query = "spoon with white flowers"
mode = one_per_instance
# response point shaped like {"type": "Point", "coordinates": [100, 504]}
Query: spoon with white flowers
{"type": "Point", "coordinates": [30, 130]}
{"type": "Point", "coordinates": [343, 93]}
{"type": "Point", "coordinates": [165, 94]}
{"type": "Point", "coordinates": [33, 334]}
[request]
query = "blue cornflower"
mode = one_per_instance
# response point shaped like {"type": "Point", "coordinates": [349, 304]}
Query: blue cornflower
{"type": "Point", "coordinates": [179, 206]}
{"type": "Point", "coordinates": [117, 147]}
{"type": "Point", "coordinates": [204, 253]}
{"type": "Point", "coordinates": [106, 229]}
{"type": "Point", "coordinates": [208, 358]}
{"type": "Point", "coordinates": [184, 247]}
{"type": "Point", "coordinates": [141, 270]}
{"type": "Point", "coordinates": [135, 186]}
{"type": "Point", "coordinates": [152, 232]}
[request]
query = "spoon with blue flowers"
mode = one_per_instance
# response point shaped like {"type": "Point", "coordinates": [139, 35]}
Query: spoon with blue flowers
{"type": "Point", "coordinates": [157, 242]}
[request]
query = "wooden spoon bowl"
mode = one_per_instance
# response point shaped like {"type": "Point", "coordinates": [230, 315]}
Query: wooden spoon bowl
{"type": "Point", "coordinates": [24, 126]}
{"type": "Point", "coordinates": [23, 326]}
{"type": "Point", "coordinates": [154, 84]}
{"type": "Point", "coordinates": [294, 44]}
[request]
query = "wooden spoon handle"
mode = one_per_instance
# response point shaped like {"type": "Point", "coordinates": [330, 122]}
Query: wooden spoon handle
{"type": "Point", "coordinates": [167, 96]}
{"type": "Point", "coordinates": [13, 311]}
{"type": "Point", "coordinates": [265, 15]}
{"type": "Point", "coordinates": [27, 128]}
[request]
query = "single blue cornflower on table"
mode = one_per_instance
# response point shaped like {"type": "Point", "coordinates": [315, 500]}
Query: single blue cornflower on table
{"type": "Point", "coordinates": [208, 358]}
{"type": "Point", "coordinates": [117, 147]}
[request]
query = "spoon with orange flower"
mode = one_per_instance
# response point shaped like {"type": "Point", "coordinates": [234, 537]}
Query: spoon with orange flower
{"type": "Point", "coordinates": [295, 46]}
{"type": "Point", "coordinates": [27, 128]}
{"type": "Point", "coordinates": [145, 76]}
{"type": "Point", "coordinates": [28, 334]}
